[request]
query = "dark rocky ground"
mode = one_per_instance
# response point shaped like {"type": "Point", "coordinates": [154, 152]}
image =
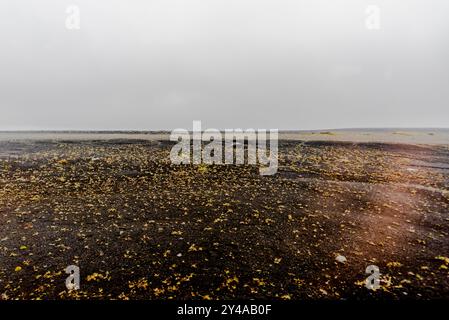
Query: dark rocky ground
{"type": "Point", "coordinates": [141, 228]}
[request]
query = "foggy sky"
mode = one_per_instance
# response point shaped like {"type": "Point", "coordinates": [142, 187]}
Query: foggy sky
{"type": "Point", "coordinates": [287, 64]}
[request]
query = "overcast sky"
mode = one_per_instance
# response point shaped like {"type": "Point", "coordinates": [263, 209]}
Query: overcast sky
{"type": "Point", "coordinates": [159, 64]}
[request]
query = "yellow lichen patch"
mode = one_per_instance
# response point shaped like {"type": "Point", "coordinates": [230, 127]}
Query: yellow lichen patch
{"type": "Point", "coordinates": [394, 264]}
{"type": "Point", "coordinates": [98, 277]}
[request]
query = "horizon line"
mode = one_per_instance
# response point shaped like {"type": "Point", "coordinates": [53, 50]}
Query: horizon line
{"type": "Point", "coordinates": [169, 130]}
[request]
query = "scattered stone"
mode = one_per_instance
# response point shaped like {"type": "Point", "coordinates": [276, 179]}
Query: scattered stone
{"type": "Point", "coordinates": [341, 259]}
